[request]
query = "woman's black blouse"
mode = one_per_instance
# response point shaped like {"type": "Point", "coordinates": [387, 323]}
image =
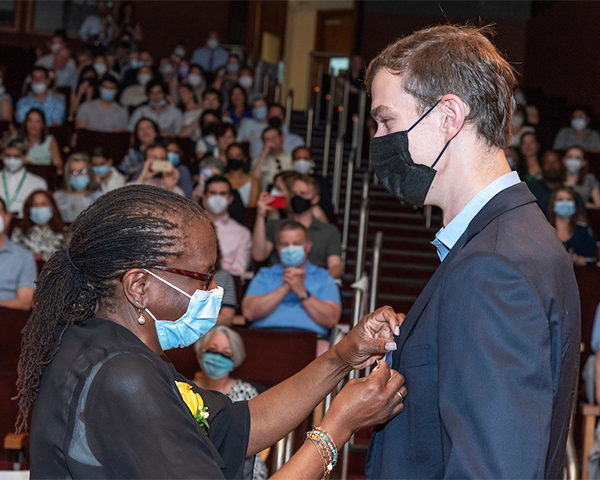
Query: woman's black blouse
{"type": "Point", "coordinates": [109, 407]}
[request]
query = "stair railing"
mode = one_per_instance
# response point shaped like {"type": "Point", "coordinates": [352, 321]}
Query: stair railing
{"type": "Point", "coordinates": [360, 127]}
{"type": "Point", "coordinates": [309, 126]}
{"type": "Point", "coordinates": [323, 57]}
{"type": "Point", "coordinates": [289, 102]}
{"type": "Point", "coordinates": [330, 102]}
{"type": "Point", "coordinates": [375, 274]}
{"type": "Point", "coordinates": [347, 209]}
{"type": "Point", "coordinates": [337, 171]}
{"type": "Point", "coordinates": [318, 96]}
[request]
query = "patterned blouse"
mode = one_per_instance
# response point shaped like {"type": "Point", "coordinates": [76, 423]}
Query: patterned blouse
{"type": "Point", "coordinates": [40, 239]}
{"type": "Point", "coordinates": [245, 391]}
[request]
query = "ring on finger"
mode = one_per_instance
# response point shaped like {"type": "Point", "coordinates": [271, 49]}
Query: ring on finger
{"type": "Point", "coordinates": [399, 393]}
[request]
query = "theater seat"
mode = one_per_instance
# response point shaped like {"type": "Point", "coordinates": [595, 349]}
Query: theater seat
{"type": "Point", "coordinates": [115, 144]}
{"type": "Point", "coordinates": [47, 172]}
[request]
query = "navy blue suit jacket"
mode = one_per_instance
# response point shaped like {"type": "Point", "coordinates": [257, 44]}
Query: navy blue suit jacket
{"type": "Point", "coordinates": [490, 354]}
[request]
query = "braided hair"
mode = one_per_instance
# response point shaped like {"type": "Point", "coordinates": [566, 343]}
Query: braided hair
{"type": "Point", "coordinates": [136, 226]}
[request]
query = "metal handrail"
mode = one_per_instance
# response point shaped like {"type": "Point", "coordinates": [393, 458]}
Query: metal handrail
{"type": "Point", "coordinates": [362, 106]}
{"type": "Point", "coordinates": [337, 172]}
{"type": "Point", "coordinates": [327, 146]}
{"type": "Point", "coordinates": [362, 237]}
{"type": "Point", "coordinates": [310, 65]}
{"type": "Point", "coordinates": [289, 102]}
{"type": "Point", "coordinates": [343, 113]}
{"type": "Point", "coordinates": [375, 275]}
{"type": "Point", "coordinates": [309, 127]}
{"type": "Point", "coordinates": [347, 209]}
{"type": "Point", "coordinates": [317, 120]}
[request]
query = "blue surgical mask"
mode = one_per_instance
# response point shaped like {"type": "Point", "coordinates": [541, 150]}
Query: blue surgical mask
{"type": "Point", "coordinates": [260, 113]}
{"type": "Point", "coordinates": [173, 158]}
{"type": "Point", "coordinates": [107, 94]}
{"type": "Point", "coordinates": [40, 215]}
{"type": "Point", "coordinates": [565, 208]}
{"type": "Point", "coordinates": [180, 52]}
{"type": "Point", "coordinates": [102, 169]}
{"type": "Point", "coordinates": [135, 63]}
{"type": "Point", "coordinates": [292, 256]}
{"type": "Point", "coordinates": [215, 365]}
{"type": "Point", "coordinates": [233, 67]}
{"type": "Point", "coordinates": [200, 316]}
{"type": "Point", "coordinates": [79, 183]}
{"type": "Point", "coordinates": [162, 103]}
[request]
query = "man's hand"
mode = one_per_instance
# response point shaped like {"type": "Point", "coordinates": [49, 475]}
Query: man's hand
{"type": "Point", "coordinates": [171, 178]}
{"type": "Point", "coordinates": [371, 339]}
{"type": "Point", "coordinates": [295, 277]}
{"type": "Point", "coordinates": [147, 172]}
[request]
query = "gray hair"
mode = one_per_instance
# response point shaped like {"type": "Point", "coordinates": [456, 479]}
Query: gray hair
{"type": "Point", "coordinates": [238, 352]}
{"type": "Point", "coordinates": [14, 140]}
{"type": "Point", "coordinates": [212, 162]}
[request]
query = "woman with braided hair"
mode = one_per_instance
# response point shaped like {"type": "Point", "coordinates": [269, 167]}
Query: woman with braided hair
{"type": "Point", "coordinates": [104, 400]}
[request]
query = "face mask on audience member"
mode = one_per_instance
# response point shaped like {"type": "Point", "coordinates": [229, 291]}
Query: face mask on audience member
{"type": "Point", "coordinates": [200, 316]}
{"type": "Point", "coordinates": [100, 68]}
{"type": "Point", "coordinates": [217, 204]}
{"type": "Point", "coordinates": [299, 204]}
{"type": "Point", "coordinates": [216, 365]}
{"type": "Point", "coordinates": [260, 113]}
{"type": "Point", "coordinates": [12, 164]}
{"type": "Point", "coordinates": [180, 52]}
{"type": "Point", "coordinates": [167, 68]}
{"type": "Point", "coordinates": [194, 79]}
{"type": "Point", "coordinates": [551, 174]}
{"type": "Point", "coordinates": [579, 123]}
{"type": "Point", "coordinates": [183, 71]}
{"type": "Point", "coordinates": [79, 183]}
{"type": "Point", "coordinates": [517, 121]}
{"type": "Point", "coordinates": [55, 47]}
{"type": "Point", "coordinates": [235, 164]}
{"type": "Point", "coordinates": [144, 78]}
{"type": "Point", "coordinates": [246, 81]}
{"type": "Point", "coordinates": [40, 215]}
{"type": "Point", "coordinates": [212, 43]}
{"type": "Point", "coordinates": [135, 63]}
{"type": "Point", "coordinates": [107, 94]}
{"type": "Point", "coordinates": [162, 103]}
{"type": "Point", "coordinates": [573, 165]}
{"type": "Point", "coordinates": [173, 158]}
{"type": "Point", "coordinates": [39, 87]}
{"type": "Point", "coordinates": [292, 256]}
{"type": "Point", "coordinates": [101, 169]}
{"type": "Point", "coordinates": [519, 98]}
{"type": "Point", "coordinates": [302, 166]}
{"type": "Point", "coordinates": [564, 208]}
{"type": "Point", "coordinates": [233, 67]}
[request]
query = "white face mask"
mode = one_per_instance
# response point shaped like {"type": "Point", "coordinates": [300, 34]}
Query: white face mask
{"type": "Point", "coordinates": [303, 166]}
{"type": "Point", "coordinates": [13, 164]}
{"type": "Point", "coordinates": [39, 87]}
{"type": "Point", "coordinates": [143, 78]}
{"type": "Point", "coordinates": [55, 47]}
{"type": "Point", "coordinates": [212, 43]}
{"type": "Point", "coordinates": [217, 204]}
{"type": "Point", "coordinates": [194, 79]}
{"type": "Point", "coordinates": [246, 81]}
{"type": "Point", "coordinates": [517, 121]}
{"type": "Point", "coordinates": [579, 123]}
{"type": "Point", "coordinates": [573, 165]}
{"type": "Point", "coordinates": [100, 68]}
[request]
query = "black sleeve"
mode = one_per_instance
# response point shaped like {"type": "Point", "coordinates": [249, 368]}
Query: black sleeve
{"type": "Point", "coordinates": [236, 209]}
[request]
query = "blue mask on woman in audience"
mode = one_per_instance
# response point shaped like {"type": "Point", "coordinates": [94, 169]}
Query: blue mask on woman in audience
{"type": "Point", "coordinates": [565, 208]}
{"type": "Point", "coordinates": [79, 183]}
{"type": "Point", "coordinates": [101, 169]}
{"type": "Point", "coordinates": [40, 215]}
{"type": "Point", "coordinates": [215, 364]}
{"type": "Point", "coordinates": [173, 158]}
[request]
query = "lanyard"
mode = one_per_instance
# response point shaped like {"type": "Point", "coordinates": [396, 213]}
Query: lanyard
{"type": "Point", "coordinates": [10, 201]}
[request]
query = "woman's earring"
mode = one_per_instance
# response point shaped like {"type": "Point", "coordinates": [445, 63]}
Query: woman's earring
{"type": "Point", "coordinates": [141, 318]}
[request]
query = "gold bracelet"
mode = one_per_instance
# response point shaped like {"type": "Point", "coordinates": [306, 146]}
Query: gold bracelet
{"type": "Point", "coordinates": [318, 447]}
{"type": "Point", "coordinates": [326, 447]}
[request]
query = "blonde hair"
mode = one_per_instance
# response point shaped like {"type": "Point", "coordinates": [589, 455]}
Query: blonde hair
{"type": "Point", "coordinates": [238, 352]}
{"type": "Point", "coordinates": [80, 157]}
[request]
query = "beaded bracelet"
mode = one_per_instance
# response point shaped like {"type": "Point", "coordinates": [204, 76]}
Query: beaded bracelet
{"type": "Point", "coordinates": [326, 447]}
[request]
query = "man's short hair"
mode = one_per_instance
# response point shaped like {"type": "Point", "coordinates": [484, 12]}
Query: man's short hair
{"type": "Point", "coordinates": [292, 225]}
{"type": "Point", "coordinates": [154, 146]}
{"type": "Point", "coordinates": [61, 33]}
{"type": "Point", "coordinates": [153, 83]}
{"type": "Point", "coordinates": [108, 78]}
{"type": "Point", "coordinates": [309, 180]}
{"type": "Point", "coordinates": [14, 140]}
{"type": "Point", "coordinates": [268, 129]}
{"type": "Point", "coordinates": [212, 91]}
{"type": "Point", "coordinates": [217, 179]}
{"type": "Point", "coordinates": [301, 147]}
{"type": "Point", "coordinates": [460, 60]}
{"type": "Point", "coordinates": [39, 68]}
{"type": "Point", "coordinates": [279, 106]}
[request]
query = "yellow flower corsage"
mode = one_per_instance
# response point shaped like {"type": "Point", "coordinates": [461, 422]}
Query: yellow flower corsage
{"type": "Point", "coordinates": [195, 404]}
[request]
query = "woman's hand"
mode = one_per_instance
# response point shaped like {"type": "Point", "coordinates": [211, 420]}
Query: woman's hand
{"type": "Point", "coordinates": [171, 178]}
{"type": "Point", "coordinates": [371, 339]}
{"type": "Point", "coordinates": [365, 402]}
{"type": "Point", "coordinates": [147, 172]}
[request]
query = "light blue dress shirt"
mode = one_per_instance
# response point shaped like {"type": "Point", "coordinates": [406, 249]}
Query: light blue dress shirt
{"type": "Point", "coordinates": [447, 236]}
{"type": "Point", "coordinates": [19, 270]}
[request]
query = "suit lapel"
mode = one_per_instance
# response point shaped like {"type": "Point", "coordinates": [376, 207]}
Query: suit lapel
{"type": "Point", "coordinates": [504, 201]}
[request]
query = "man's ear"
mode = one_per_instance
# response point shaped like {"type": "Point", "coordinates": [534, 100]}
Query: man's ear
{"type": "Point", "coordinates": [110, 162]}
{"type": "Point", "coordinates": [454, 113]}
{"type": "Point", "coordinates": [316, 199]}
{"type": "Point", "coordinates": [230, 199]}
{"type": "Point", "coordinates": [134, 287]}
{"type": "Point", "coordinates": [308, 247]}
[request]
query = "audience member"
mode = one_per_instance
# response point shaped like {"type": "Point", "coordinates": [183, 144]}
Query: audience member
{"type": "Point", "coordinates": [251, 128]}
{"type": "Point", "coordinates": [106, 175]}
{"type": "Point", "coordinates": [206, 145]}
{"type": "Point", "coordinates": [238, 105]}
{"type": "Point", "coordinates": [589, 371]}
{"type": "Point", "coordinates": [170, 70]}
{"type": "Point", "coordinates": [553, 176]}
{"type": "Point", "coordinates": [578, 176]}
{"type": "Point", "coordinates": [519, 128]}
{"type": "Point", "coordinates": [134, 95]}
{"type": "Point", "coordinates": [211, 100]}
{"type": "Point", "coordinates": [168, 118]}
{"type": "Point", "coordinates": [355, 75]}
{"type": "Point", "coordinates": [512, 157]}
{"type": "Point", "coordinates": [60, 60]}
{"type": "Point", "coordinates": [97, 28]}
{"type": "Point", "coordinates": [127, 23]}
{"type": "Point", "coordinates": [41, 230]}
{"type": "Point", "coordinates": [246, 81]}
{"type": "Point", "coordinates": [6, 104]}
{"type": "Point", "coordinates": [79, 190]}
{"type": "Point", "coordinates": [191, 112]}
{"type": "Point", "coordinates": [283, 184]}
{"type": "Point", "coordinates": [207, 168]}
{"type": "Point", "coordinates": [103, 114]}
{"type": "Point", "coordinates": [87, 90]}
{"type": "Point", "coordinates": [145, 133]}
{"type": "Point", "coordinates": [185, 178]}
{"type": "Point", "coordinates": [43, 147]}
{"type": "Point", "coordinates": [19, 271]}
{"type": "Point", "coordinates": [219, 352]}
{"type": "Point", "coordinates": [158, 175]}
{"type": "Point", "coordinates": [232, 73]}
{"type": "Point", "coordinates": [576, 236]}
{"type": "Point", "coordinates": [532, 115]}
{"type": "Point", "coordinates": [304, 164]}
{"type": "Point", "coordinates": [85, 58]}
{"type": "Point", "coordinates": [17, 182]}
{"type": "Point", "coordinates": [235, 240]}
{"type": "Point", "coordinates": [326, 242]}
{"type": "Point", "coordinates": [528, 165]}
{"type": "Point", "coordinates": [210, 56]}
{"type": "Point", "coordinates": [578, 134]}
{"type": "Point", "coordinates": [197, 79]}
{"type": "Point", "coordinates": [295, 294]}
{"type": "Point", "coordinates": [273, 158]}
{"type": "Point", "coordinates": [53, 109]}
{"type": "Point", "coordinates": [276, 118]}
{"type": "Point", "coordinates": [237, 174]}
{"type": "Point", "coordinates": [57, 41]}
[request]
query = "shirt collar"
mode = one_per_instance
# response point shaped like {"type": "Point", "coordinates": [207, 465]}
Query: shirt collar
{"type": "Point", "coordinates": [447, 236]}
{"type": "Point", "coordinates": [224, 219]}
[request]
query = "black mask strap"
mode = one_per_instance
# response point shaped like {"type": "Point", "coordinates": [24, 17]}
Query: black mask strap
{"type": "Point", "coordinates": [424, 115]}
{"type": "Point", "coordinates": [441, 153]}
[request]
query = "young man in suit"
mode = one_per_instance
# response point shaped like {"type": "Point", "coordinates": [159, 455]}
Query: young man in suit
{"type": "Point", "coordinates": [490, 350]}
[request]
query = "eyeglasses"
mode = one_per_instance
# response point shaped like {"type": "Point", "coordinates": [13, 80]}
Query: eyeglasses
{"type": "Point", "coordinates": [207, 278]}
{"type": "Point", "coordinates": [79, 173]}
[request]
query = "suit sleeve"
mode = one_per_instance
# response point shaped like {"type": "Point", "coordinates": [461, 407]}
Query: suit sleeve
{"type": "Point", "coordinates": [495, 378]}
